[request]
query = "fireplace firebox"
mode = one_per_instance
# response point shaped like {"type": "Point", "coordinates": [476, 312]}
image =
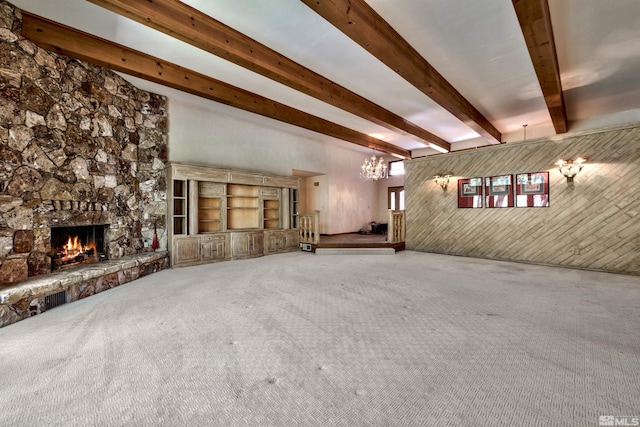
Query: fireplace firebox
{"type": "Point", "coordinates": [71, 246]}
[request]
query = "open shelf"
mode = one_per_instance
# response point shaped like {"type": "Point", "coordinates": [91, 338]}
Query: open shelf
{"type": "Point", "coordinates": [243, 219]}
{"type": "Point", "coordinates": [271, 214]}
{"type": "Point", "coordinates": [209, 214]}
{"type": "Point", "coordinates": [209, 226]}
{"type": "Point", "coordinates": [243, 207]}
{"type": "Point", "coordinates": [242, 203]}
{"type": "Point", "coordinates": [179, 207]}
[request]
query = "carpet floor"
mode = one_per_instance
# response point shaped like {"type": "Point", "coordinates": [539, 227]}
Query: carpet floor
{"type": "Point", "coordinates": [297, 339]}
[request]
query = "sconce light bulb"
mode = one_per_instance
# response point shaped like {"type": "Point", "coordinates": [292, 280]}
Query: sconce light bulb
{"type": "Point", "coordinates": [570, 168]}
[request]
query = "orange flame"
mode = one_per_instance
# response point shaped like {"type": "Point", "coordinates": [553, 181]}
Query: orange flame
{"type": "Point", "coordinates": [74, 247]}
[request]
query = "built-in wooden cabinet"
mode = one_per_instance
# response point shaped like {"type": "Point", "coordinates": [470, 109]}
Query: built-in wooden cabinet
{"type": "Point", "coordinates": [220, 214]}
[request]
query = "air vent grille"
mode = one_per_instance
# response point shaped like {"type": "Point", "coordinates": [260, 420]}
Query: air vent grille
{"type": "Point", "coordinates": [54, 300]}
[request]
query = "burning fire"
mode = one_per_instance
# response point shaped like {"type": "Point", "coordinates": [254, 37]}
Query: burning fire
{"type": "Point", "coordinates": [74, 247]}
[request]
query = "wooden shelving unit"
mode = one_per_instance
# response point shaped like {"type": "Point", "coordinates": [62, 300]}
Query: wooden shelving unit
{"type": "Point", "coordinates": [222, 214]}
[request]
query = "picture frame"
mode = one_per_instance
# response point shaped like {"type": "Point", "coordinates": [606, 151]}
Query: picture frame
{"type": "Point", "coordinates": [532, 190]}
{"type": "Point", "coordinates": [470, 193]}
{"type": "Point", "coordinates": [498, 191]}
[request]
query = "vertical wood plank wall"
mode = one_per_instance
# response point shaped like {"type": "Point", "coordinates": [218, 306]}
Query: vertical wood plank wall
{"type": "Point", "coordinates": [593, 223]}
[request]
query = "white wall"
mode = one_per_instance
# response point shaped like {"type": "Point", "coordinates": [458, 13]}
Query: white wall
{"type": "Point", "coordinates": [352, 200]}
{"type": "Point", "coordinates": [317, 198]}
{"type": "Point", "coordinates": [214, 134]}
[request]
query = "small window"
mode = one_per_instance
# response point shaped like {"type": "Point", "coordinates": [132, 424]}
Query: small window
{"type": "Point", "coordinates": [396, 168]}
{"type": "Point", "coordinates": [396, 198]}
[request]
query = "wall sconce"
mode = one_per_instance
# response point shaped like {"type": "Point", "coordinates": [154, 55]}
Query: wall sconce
{"type": "Point", "coordinates": [570, 168]}
{"type": "Point", "coordinates": [442, 181]}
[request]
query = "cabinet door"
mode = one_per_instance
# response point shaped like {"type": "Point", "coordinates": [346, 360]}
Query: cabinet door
{"type": "Point", "coordinates": [186, 250]}
{"type": "Point", "coordinates": [245, 245]}
{"type": "Point", "coordinates": [215, 247]}
{"type": "Point", "coordinates": [256, 244]}
{"type": "Point", "coordinates": [293, 239]}
{"type": "Point", "coordinates": [276, 241]}
{"type": "Point", "coordinates": [239, 244]}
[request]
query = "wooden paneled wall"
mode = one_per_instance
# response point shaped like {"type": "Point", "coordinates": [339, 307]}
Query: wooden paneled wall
{"type": "Point", "coordinates": [593, 223]}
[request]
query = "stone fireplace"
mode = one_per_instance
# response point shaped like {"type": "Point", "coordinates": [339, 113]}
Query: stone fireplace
{"type": "Point", "coordinates": [79, 147]}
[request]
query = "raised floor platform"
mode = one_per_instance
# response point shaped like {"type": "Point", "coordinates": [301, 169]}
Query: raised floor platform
{"type": "Point", "coordinates": [355, 251]}
{"type": "Point", "coordinates": [356, 243]}
{"type": "Point", "coordinates": [36, 295]}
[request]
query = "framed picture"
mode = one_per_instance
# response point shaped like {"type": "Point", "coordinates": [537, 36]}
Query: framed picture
{"type": "Point", "coordinates": [532, 190]}
{"type": "Point", "coordinates": [470, 193]}
{"type": "Point", "coordinates": [498, 191]}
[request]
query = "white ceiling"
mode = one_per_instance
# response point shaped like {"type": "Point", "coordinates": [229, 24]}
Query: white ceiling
{"type": "Point", "coordinates": [476, 45]}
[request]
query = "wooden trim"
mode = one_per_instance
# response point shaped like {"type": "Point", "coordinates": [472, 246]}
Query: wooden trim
{"type": "Point", "coordinates": [366, 27]}
{"type": "Point", "coordinates": [185, 23]}
{"type": "Point", "coordinates": [204, 173]}
{"type": "Point", "coordinates": [535, 22]}
{"type": "Point", "coordinates": [76, 44]}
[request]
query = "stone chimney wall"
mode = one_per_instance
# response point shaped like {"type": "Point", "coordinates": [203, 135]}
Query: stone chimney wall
{"type": "Point", "coordinates": [79, 145]}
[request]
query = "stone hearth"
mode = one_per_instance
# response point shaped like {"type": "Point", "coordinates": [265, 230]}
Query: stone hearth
{"type": "Point", "coordinates": [26, 299]}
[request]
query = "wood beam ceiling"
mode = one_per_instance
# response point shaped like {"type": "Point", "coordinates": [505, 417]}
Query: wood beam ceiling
{"type": "Point", "coordinates": [535, 21]}
{"type": "Point", "coordinates": [185, 23]}
{"type": "Point", "coordinates": [76, 44]}
{"type": "Point", "coordinates": [366, 27]}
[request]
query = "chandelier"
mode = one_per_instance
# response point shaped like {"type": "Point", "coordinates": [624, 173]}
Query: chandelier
{"type": "Point", "coordinates": [374, 168]}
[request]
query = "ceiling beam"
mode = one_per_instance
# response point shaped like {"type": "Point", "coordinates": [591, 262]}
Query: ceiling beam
{"type": "Point", "coordinates": [535, 21]}
{"type": "Point", "coordinates": [192, 26]}
{"type": "Point", "coordinates": [76, 44]}
{"type": "Point", "coordinates": [365, 26]}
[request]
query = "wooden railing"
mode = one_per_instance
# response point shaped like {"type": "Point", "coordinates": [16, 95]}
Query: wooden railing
{"type": "Point", "coordinates": [310, 227]}
{"type": "Point", "coordinates": [396, 226]}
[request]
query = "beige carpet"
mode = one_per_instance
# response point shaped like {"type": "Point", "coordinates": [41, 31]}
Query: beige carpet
{"type": "Point", "coordinates": [298, 339]}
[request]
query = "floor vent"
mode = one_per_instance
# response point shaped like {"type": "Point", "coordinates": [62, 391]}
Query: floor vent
{"type": "Point", "coordinates": [54, 300]}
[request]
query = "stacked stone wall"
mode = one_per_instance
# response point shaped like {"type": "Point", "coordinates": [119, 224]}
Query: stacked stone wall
{"type": "Point", "coordinates": [79, 145]}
